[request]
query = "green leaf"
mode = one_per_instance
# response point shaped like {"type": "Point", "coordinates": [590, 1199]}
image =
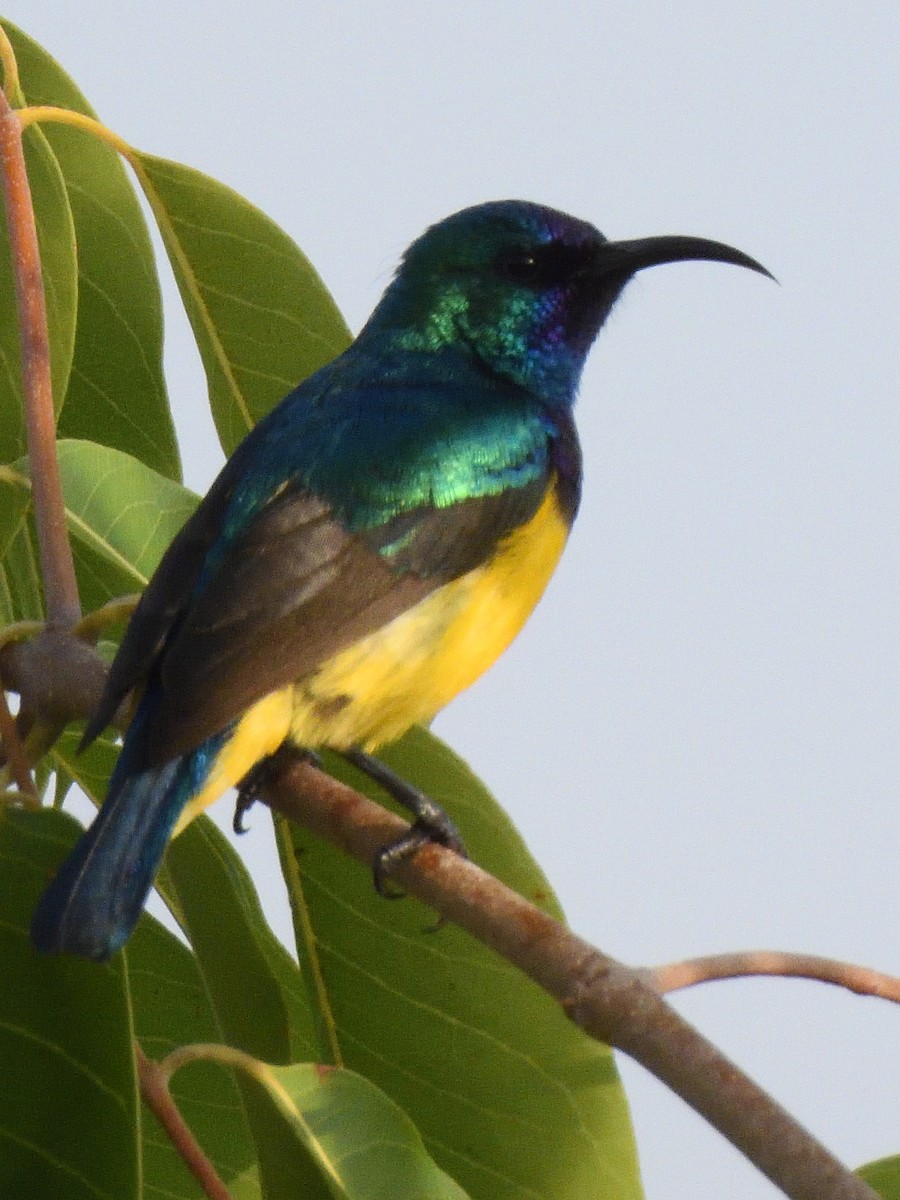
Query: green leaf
{"type": "Point", "coordinates": [90, 769]}
{"type": "Point", "coordinates": [56, 239]}
{"type": "Point", "coordinates": [171, 1009]}
{"type": "Point", "coordinates": [261, 315]}
{"type": "Point", "coordinates": [257, 991]}
{"type": "Point", "coordinates": [511, 1099]}
{"type": "Point", "coordinates": [116, 390]}
{"type": "Point", "coordinates": [883, 1176]}
{"type": "Point", "coordinates": [123, 510]}
{"type": "Point", "coordinates": [261, 999]}
{"type": "Point", "coordinates": [21, 592]}
{"type": "Point", "coordinates": [121, 516]}
{"type": "Point", "coordinates": [65, 1042]}
{"type": "Point", "coordinates": [364, 1145]}
{"type": "Point", "coordinates": [21, 597]}
{"type": "Point", "coordinates": [14, 504]}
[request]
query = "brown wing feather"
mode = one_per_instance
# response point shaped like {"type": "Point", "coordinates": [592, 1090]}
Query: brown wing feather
{"type": "Point", "coordinates": [292, 593]}
{"type": "Point", "coordinates": [296, 589]}
{"type": "Point", "coordinates": [293, 590]}
{"type": "Point", "coordinates": [162, 603]}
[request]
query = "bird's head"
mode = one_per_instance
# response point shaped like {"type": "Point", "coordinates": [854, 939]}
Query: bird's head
{"type": "Point", "coordinates": [523, 288]}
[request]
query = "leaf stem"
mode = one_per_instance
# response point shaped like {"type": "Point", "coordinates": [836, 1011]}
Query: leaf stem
{"type": "Point", "coordinates": [10, 68]}
{"type": "Point", "coordinates": [57, 568]}
{"type": "Point", "coordinates": [259, 1071]}
{"type": "Point", "coordinates": [862, 980]}
{"type": "Point", "coordinates": [66, 116]}
{"type": "Point", "coordinates": [154, 1084]}
{"type": "Point", "coordinates": [227, 1056]}
{"type": "Point", "coordinates": [20, 631]}
{"type": "Point", "coordinates": [90, 627]}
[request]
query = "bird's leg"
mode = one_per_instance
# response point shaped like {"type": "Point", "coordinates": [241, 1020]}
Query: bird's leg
{"type": "Point", "coordinates": [431, 822]}
{"type": "Point", "coordinates": [253, 783]}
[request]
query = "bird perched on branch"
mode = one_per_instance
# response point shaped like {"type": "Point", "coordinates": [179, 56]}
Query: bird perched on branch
{"type": "Point", "coordinates": [371, 547]}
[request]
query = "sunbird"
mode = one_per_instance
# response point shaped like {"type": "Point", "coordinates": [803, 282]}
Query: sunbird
{"type": "Point", "coordinates": [371, 547]}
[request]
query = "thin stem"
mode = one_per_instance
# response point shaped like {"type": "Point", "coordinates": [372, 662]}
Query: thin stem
{"type": "Point", "coordinates": [37, 113]}
{"type": "Point", "coordinates": [154, 1083]}
{"type": "Point", "coordinates": [34, 747]}
{"type": "Point", "coordinates": [20, 631]}
{"type": "Point", "coordinates": [228, 1056]}
{"type": "Point", "coordinates": [10, 68]}
{"type": "Point", "coordinates": [57, 568]}
{"type": "Point", "coordinates": [90, 628]}
{"type": "Point", "coordinates": [862, 980]}
{"type": "Point", "coordinates": [15, 752]}
{"type": "Point", "coordinates": [261, 1072]}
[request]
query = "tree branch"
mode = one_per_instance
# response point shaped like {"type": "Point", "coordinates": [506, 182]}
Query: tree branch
{"type": "Point", "coordinates": [57, 569]}
{"type": "Point", "coordinates": [862, 980]}
{"type": "Point", "coordinates": [154, 1083]}
{"type": "Point", "coordinates": [609, 1001]}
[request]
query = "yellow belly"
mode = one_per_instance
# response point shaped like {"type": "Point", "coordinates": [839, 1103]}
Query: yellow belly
{"type": "Point", "coordinates": [408, 670]}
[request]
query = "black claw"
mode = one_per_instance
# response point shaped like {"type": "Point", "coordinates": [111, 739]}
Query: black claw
{"type": "Point", "coordinates": [391, 856]}
{"type": "Point", "coordinates": [248, 794]}
{"type": "Point", "coordinates": [253, 784]}
{"type": "Point", "coordinates": [431, 824]}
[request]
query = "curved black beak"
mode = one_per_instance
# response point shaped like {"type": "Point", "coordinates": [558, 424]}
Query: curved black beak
{"type": "Point", "coordinates": [631, 256]}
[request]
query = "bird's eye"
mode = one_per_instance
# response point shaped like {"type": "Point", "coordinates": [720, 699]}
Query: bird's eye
{"type": "Point", "coordinates": [554, 264]}
{"type": "Point", "coordinates": [518, 265]}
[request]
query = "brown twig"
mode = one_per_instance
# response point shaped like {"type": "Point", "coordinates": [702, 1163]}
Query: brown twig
{"type": "Point", "coordinates": [57, 568]}
{"type": "Point", "coordinates": [154, 1083]}
{"type": "Point", "coordinates": [862, 980]}
{"type": "Point", "coordinates": [14, 751]}
{"type": "Point", "coordinates": [606, 999]}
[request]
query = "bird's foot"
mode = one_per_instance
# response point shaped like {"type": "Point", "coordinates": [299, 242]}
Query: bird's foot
{"type": "Point", "coordinates": [247, 795]}
{"type": "Point", "coordinates": [431, 824]}
{"type": "Point", "coordinates": [253, 784]}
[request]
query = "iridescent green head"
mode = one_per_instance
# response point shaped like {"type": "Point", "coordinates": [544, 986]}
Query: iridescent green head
{"type": "Point", "coordinates": [523, 288]}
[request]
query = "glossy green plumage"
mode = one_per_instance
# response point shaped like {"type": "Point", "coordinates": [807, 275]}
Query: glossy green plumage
{"type": "Point", "coordinates": [433, 465]}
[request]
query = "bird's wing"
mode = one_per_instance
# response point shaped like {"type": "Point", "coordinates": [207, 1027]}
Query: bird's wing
{"type": "Point", "coordinates": [292, 589]}
{"type": "Point", "coordinates": [163, 603]}
{"type": "Point", "coordinates": [296, 588]}
{"type": "Point", "coordinates": [346, 505]}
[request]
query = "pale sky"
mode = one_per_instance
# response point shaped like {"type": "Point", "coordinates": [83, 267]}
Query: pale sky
{"type": "Point", "coordinates": [698, 731]}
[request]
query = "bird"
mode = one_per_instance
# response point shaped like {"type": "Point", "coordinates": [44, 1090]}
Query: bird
{"type": "Point", "coordinates": [372, 546]}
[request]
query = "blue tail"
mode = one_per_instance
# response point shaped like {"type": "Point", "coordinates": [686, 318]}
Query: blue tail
{"type": "Point", "coordinates": [95, 900]}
